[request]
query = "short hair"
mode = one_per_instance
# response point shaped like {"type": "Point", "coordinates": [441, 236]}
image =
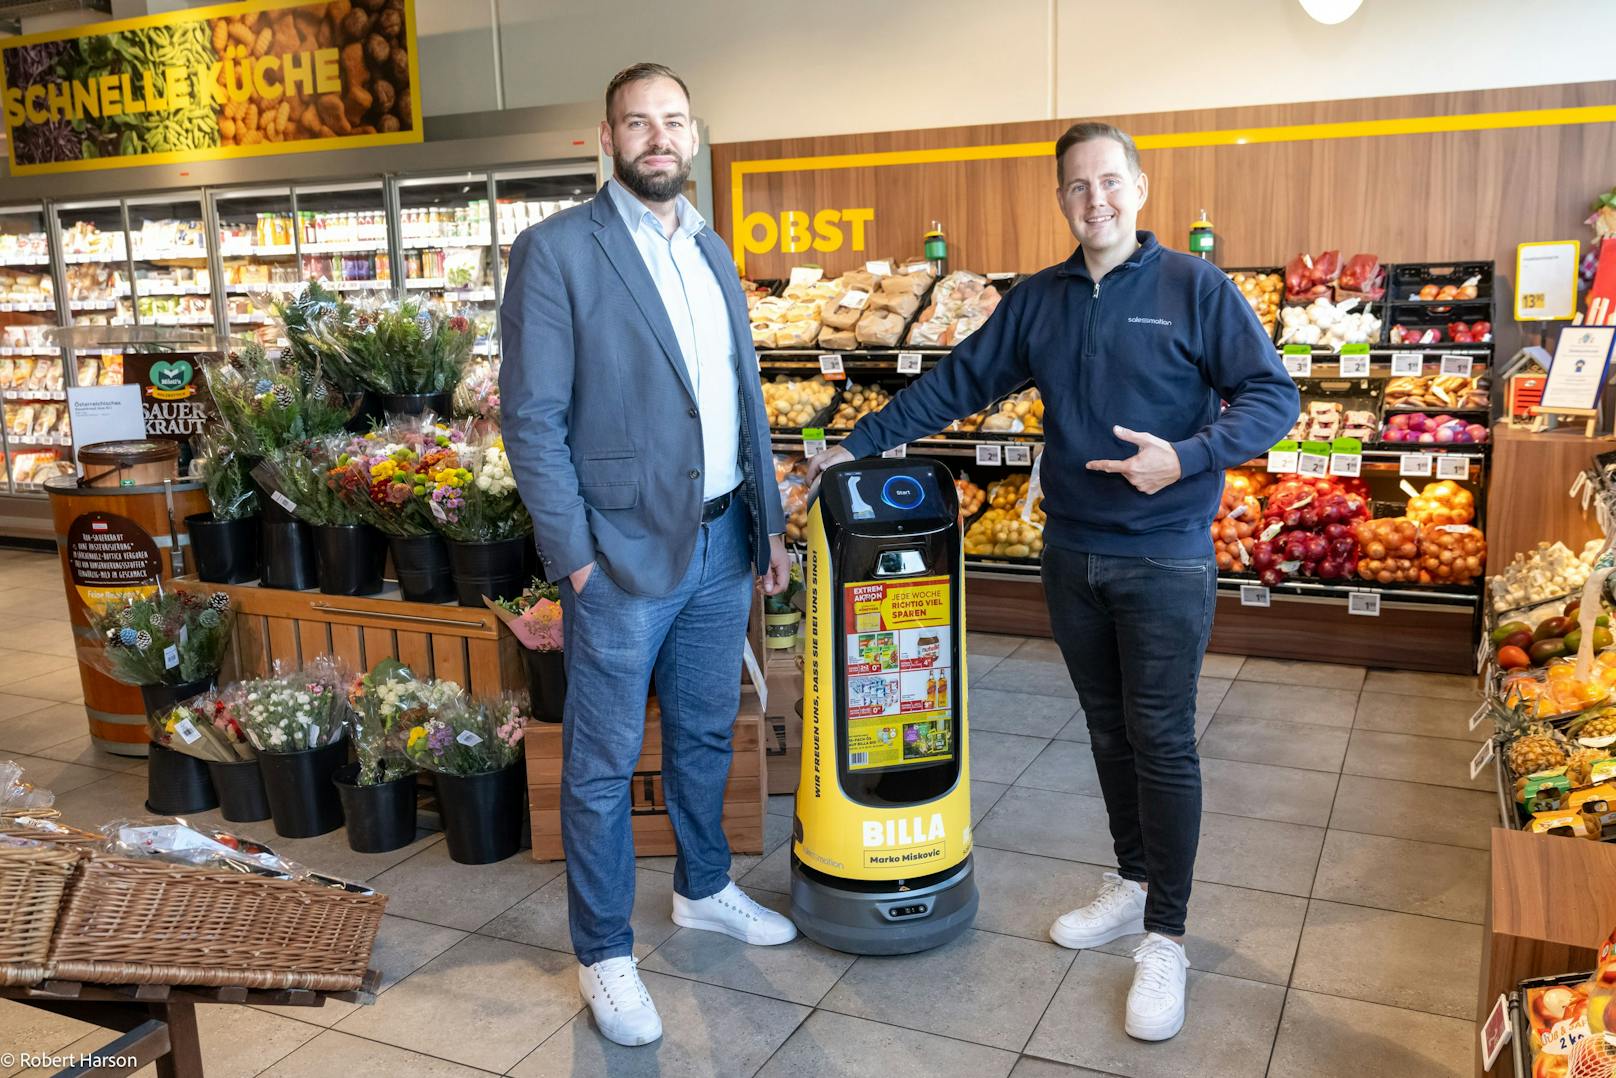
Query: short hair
{"type": "Point", "coordinates": [640, 73]}
{"type": "Point", "coordinates": [1088, 131]}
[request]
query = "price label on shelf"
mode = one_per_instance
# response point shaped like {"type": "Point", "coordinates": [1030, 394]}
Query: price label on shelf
{"type": "Point", "coordinates": [1346, 464]}
{"type": "Point", "coordinates": [880, 269]}
{"type": "Point", "coordinates": [1018, 454]}
{"type": "Point", "coordinates": [1495, 1032]}
{"type": "Point", "coordinates": [1415, 464]}
{"type": "Point", "coordinates": [1452, 467]}
{"type": "Point", "coordinates": [1481, 712]}
{"type": "Point", "coordinates": [1459, 366]}
{"type": "Point", "coordinates": [283, 501]}
{"type": "Point", "coordinates": [1407, 364]}
{"type": "Point", "coordinates": [1299, 364]}
{"type": "Point", "coordinates": [897, 452]}
{"type": "Point", "coordinates": [831, 367]}
{"type": "Point", "coordinates": [989, 454]}
{"type": "Point", "coordinates": [1315, 464]}
{"type": "Point", "coordinates": [1355, 364]}
{"type": "Point", "coordinates": [908, 362]}
{"type": "Point", "coordinates": [854, 299]}
{"type": "Point", "coordinates": [1282, 461]}
{"type": "Point", "coordinates": [1365, 603]}
{"type": "Point", "coordinates": [1482, 758]}
{"type": "Point", "coordinates": [805, 275]}
{"type": "Point", "coordinates": [188, 731]}
{"type": "Point", "coordinates": [813, 441]}
{"type": "Point", "coordinates": [1253, 595]}
{"type": "Point", "coordinates": [171, 656]}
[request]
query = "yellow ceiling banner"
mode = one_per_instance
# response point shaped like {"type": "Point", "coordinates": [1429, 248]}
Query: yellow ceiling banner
{"type": "Point", "coordinates": [233, 80]}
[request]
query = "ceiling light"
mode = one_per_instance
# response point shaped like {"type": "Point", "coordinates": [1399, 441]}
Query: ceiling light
{"type": "Point", "coordinates": [1330, 12]}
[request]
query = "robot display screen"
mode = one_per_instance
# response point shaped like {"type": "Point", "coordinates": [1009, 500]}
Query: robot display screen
{"type": "Point", "coordinates": [901, 683]}
{"type": "Point", "coordinates": [885, 495]}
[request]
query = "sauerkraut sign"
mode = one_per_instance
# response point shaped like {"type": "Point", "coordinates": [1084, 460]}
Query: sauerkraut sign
{"type": "Point", "coordinates": [232, 80]}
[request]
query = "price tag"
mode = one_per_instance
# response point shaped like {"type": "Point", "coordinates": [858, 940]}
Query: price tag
{"type": "Point", "coordinates": [831, 366]}
{"type": "Point", "coordinates": [438, 513]}
{"type": "Point", "coordinates": [1253, 595]}
{"type": "Point", "coordinates": [188, 731]}
{"type": "Point", "coordinates": [1365, 603]}
{"type": "Point", "coordinates": [171, 656]}
{"type": "Point", "coordinates": [184, 635]}
{"type": "Point", "coordinates": [813, 441]}
{"type": "Point", "coordinates": [989, 454]}
{"type": "Point", "coordinates": [1495, 1033]}
{"type": "Point", "coordinates": [1282, 461]}
{"type": "Point", "coordinates": [805, 275]}
{"type": "Point", "coordinates": [1407, 364]}
{"type": "Point", "coordinates": [1481, 712]}
{"type": "Point", "coordinates": [468, 739]}
{"type": "Point", "coordinates": [1018, 454]}
{"type": "Point", "coordinates": [1577, 484]}
{"type": "Point", "coordinates": [880, 269]}
{"type": "Point", "coordinates": [312, 734]}
{"type": "Point", "coordinates": [283, 501]}
{"type": "Point", "coordinates": [1482, 758]}
{"type": "Point", "coordinates": [896, 452]}
{"type": "Point", "coordinates": [1452, 467]}
{"type": "Point", "coordinates": [1299, 365]}
{"type": "Point", "coordinates": [854, 299]}
{"type": "Point", "coordinates": [1461, 366]}
{"type": "Point", "coordinates": [908, 362]}
{"type": "Point", "coordinates": [1315, 464]}
{"type": "Point", "coordinates": [1347, 464]}
{"type": "Point", "coordinates": [1587, 496]}
{"type": "Point", "coordinates": [1355, 364]}
{"type": "Point", "coordinates": [1415, 464]}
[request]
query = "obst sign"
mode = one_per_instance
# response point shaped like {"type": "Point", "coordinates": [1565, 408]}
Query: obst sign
{"type": "Point", "coordinates": [796, 231]}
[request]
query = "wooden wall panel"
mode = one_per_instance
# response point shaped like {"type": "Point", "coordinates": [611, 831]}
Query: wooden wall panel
{"type": "Point", "coordinates": [1424, 197]}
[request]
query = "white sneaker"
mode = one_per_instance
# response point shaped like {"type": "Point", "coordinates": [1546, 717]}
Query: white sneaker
{"type": "Point", "coordinates": [732, 912]}
{"type": "Point", "coordinates": [622, 1007]}
{"type": "Point", "coordinates": [1118, 910]}
{"type": "Point", "coordinates": [1156, 1000]}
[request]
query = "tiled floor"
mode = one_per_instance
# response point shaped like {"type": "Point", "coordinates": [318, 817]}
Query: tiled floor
{"type": "Point", "coordinates": [1334, 928]}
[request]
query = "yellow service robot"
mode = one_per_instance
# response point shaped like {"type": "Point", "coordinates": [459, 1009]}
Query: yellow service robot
{"type": "Point", "coordinates": [881, 851]}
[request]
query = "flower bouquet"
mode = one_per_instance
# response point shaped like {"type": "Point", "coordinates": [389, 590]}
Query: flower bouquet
{"type": "Point", "coordinates": [267, 404]}
{"type": "Point", "coordinates": [296, 720]}
{"type": "Point", "coordinates": [224, 540]}
{"type": "Point", "coordinates": [349, 551]}
{"type": "Point", "coordinates": [477, 509]}
{"type": "Point", "coordinates": [378, 792]}
{"type": "Point", "coordinates": [306, 317]}
{"type": "Point", "coordinates": [478, 395]}
{"type": "Point", "coordinates": [207, 729]}
{"type": "Point", "coordinates": [170, 643]}
{"type": "Point", "coordinates": [534, 618]}
{"type": "Point", "coordinates": [474, 750]}
{"type": "Point", "coordinates": [400, 350]}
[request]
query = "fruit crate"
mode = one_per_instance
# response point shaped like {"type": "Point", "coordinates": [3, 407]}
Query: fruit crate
{"type": "Point", "coordinates": [1419, 317]}
{"type": "Point", "coordinates": [1278, 271]}
{"type": "Point", "coordinates": [1520, 1046]}
{"type": "Point", "coordinates": [1405, 280]}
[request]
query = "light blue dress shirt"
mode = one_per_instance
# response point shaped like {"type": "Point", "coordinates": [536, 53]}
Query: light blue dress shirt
{"type": "Point", "coordinates": [694, 300]}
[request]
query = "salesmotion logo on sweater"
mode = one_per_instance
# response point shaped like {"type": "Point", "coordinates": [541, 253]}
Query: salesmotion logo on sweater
{"type": "Point", "coordinates": [1152, 321]}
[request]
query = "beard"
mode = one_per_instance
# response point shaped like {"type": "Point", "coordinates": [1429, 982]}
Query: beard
{"type": "Point", "coordinates": [649, 185]}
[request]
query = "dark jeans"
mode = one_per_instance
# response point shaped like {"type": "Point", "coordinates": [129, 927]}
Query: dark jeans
{"type": "Point", "coordinates": [691, 640]}
{"type": "Point", "coordinates": [1133, 632]}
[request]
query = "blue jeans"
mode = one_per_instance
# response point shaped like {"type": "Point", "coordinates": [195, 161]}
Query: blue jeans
{"type": "Point", "coordinates": [691, 640]}
{"type": "Point", "coordinates": [1133, 632]}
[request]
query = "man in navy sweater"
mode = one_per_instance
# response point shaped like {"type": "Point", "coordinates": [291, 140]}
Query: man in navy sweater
{"type": "Point", "coordinates": [1156, 376]}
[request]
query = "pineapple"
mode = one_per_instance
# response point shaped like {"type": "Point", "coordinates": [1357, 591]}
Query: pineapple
{"type": "Point", "coordinates": [1579, 764]}
{"type": "Point", "coordinates": [1532, 751]}
{"type": "Point", "coordinates": [1595, 727]}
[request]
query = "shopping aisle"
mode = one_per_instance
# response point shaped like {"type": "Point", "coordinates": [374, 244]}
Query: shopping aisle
{"type": "Point", "coordinates": [1335, 924]}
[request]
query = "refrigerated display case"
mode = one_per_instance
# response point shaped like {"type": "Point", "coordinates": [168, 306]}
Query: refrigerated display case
{"type": "Point", "coordinates": [526, 197]}
{"type": "Point", "coordinates": [447, 247]}
{"type": "Point", "coordinates": [342, 236]}
{"type": "Point", "coordinates": [95, 263]}
{"type": "Point", "coordinates": [32, 419]}
{"type": "Point", "coordinates": [169, 253]}
{"type": "Point", "coordinates": [258, 261]}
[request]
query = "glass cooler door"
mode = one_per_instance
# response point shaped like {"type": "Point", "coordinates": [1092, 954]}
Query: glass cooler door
{"type": "Point", "coordinates": [257, 257]}
{"type": "Point", "coordinates": [96, 263]}
{"type": "Point", "coordinates": [342, 236]}
{"type": "Point", "coordinates": [528, 196]}
{"type": "Point", "coordinates": [446, 241]}
{"type": "Point", "coordinates": [169, 247]}
{"type": "Point", "coordinates": [33, 413]}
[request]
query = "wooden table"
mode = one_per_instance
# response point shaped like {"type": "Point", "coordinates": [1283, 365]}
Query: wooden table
{"type": "Point", "coordinates": [1551, 904]}
{"type": "Point", "coordinates": [158, 1021]}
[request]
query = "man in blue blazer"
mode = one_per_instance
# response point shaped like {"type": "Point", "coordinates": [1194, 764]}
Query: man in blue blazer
{"type": "Point", "coordinates": [634, 421]}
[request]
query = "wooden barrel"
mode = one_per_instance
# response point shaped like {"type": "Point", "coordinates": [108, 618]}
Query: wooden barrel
{"type": "Point", "coordinates": [112, 542]}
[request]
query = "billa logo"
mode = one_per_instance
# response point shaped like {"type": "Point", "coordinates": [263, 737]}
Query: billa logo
{"type": "Point", "coordinates": [172, 381]}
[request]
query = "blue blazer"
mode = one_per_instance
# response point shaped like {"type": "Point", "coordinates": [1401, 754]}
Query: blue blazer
{"type": "Point", "coordinates": [600, 421]}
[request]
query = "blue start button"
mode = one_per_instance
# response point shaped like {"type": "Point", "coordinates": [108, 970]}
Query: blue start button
{"type": "Point", "coordinates": [902, 492]}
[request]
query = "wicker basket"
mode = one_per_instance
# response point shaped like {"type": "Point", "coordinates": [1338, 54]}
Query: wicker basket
{"type": "Point", "coordinates": [67, 835]}
{"type": "Point", "coordinates": [129, 921]}
{"type": "Point", "coordinates": [31, 883]}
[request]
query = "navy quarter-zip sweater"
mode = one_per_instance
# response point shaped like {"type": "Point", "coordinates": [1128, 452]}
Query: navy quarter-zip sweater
{"type": "Point", "coordinates": [1156, 346]}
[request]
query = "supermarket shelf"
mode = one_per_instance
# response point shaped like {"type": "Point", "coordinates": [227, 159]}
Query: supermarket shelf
{"type": "Point", "coordinates": [43, 440]}
{"type": "Point", "coordinates": [103, 304]}
{"type": "Point", "coordinates": [343, 248]}
{"type": "Point", "coordinates": [27, 305]}
{"type": "Point", "coordinates": [34, 394]}
{"type": "Point", "coordinates": [355, 286]}
{"type": "Point", "coordinates": [172, 254]}
{"type": "Point", "coordinates": [438, 284]}
{"type": "Point", "coordinates": [250, 320]}
{"type": "Point", "coordinates": [147, 288]}
{"type": "Point", "coordinates": [72, 258]}
{"type": "Point", "coordinates": [12, 350]}
{"type": "Point", "coordinates": [288, 287]}
{"type": "Point", "coordinates": [176, 320]}
{"type": "Point", "coordinates": [26, 260]}
{"type": "Point", "coordinates": [257, 252]}
{"type": "Point", "coordinates": [418, 243]}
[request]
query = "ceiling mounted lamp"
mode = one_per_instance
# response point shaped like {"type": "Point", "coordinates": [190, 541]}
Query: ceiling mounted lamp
{"type": "Point", "coordinates": [1330, 12]}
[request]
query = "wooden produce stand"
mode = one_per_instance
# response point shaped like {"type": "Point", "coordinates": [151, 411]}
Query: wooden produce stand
{"type": "Point", "coordinates": [463, 644]}
{"type": "Point", "coordinates": [157, 1021]}
{"type": "Point", "coordinates": [1531, 476]}
{"type": "Point", "coordinates": [1551, 902]}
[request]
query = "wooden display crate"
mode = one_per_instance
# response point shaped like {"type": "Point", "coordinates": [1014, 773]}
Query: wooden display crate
{"type": "Point", "coordinates": [745, 797]}
{"type": "Point", "coordinates": [466, 645]}
{"type": "Point", "coordinates": [782, 725]}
